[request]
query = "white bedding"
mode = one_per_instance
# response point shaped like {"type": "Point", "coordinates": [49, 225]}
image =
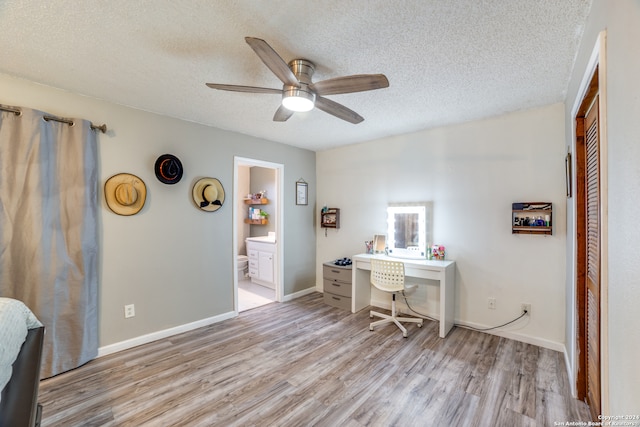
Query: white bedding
{"type": "Point", "coordinates": [15, 321]}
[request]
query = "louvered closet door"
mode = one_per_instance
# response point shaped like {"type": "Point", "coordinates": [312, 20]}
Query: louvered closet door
{"type": "Point", "coordinates": [593, 259]}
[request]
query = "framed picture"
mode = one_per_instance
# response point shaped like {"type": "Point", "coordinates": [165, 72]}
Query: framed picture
{"type": "Point", "coordinates": [567, 168]}
{"type": "Point", "coordinates": [302, 192]}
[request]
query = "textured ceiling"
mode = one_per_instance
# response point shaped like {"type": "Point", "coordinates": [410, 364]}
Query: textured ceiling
{"type": "Point", "coordinates": [447, 61]}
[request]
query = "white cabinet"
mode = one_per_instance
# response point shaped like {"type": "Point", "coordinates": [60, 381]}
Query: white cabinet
{"type": "Point", "coordinates": [262, 262]}
{"type": "Point", "coordinates": [265, 266]}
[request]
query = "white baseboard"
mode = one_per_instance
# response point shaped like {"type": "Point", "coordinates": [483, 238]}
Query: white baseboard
{"type": "Point", "coordinates": [154, 336]}
{"type": "Point", "coordinates": [299, 294]}
{"type": "Point", "coordinates": [540, 342]}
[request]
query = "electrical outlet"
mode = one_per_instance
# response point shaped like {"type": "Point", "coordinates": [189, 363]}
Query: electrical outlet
{"type": "Point", "coordinates": [492, 303]}
{"type": "Point", "coordinates": [129, 311]}
{"type": "Point", "coordinates": [526, 307]}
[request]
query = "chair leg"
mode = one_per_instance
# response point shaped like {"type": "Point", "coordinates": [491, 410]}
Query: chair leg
{"type": "Point", "coordinates": [393, 318]}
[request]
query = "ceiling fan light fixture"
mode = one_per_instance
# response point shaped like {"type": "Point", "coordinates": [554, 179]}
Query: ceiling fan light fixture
{"type": "Point", "coordinates": [298, 99]}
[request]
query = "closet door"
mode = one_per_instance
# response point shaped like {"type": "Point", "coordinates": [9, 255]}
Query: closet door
{"type": "Point", "coordinates": [593, 214]}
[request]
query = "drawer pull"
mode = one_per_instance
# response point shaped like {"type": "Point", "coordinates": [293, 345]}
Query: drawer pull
{"type": "Point", "coordinates": [335, 271]}
{"type": "Point", "coordinates": [336, 284]}
{"type": "Point", "coordinates": [336, 298]}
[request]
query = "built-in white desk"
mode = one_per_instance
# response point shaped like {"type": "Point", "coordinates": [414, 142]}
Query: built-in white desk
{"type": "Point", "coordinates": [442, 271]}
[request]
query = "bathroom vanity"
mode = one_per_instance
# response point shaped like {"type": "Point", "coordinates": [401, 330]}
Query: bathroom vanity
{"type": "Point", "coordinates": [262, 260]}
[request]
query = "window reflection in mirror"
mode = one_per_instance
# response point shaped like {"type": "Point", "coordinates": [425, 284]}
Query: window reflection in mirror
{"type": "Point", "coordinates": [405, 233]}
{"type": "Point", "coordinates": [407, 230]}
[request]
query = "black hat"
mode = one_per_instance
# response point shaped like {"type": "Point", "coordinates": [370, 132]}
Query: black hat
{"type": "Point", "coordinates": [168, 169]}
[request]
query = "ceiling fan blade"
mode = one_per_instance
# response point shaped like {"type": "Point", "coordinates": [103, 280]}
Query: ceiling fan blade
{"type": "Point", "coordinates": [349, 84]}
{"type": "Point", "coordinates": [282, 114]}
{"type": "Point", "coordinates": [272, 60]}
{"type": "Point", "coordinates": [338, 110]}
{"type": "Point", "coordinates": [250, 89]}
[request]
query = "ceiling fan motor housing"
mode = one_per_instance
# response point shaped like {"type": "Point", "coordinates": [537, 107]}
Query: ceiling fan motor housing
{"type": "Point", "coordinates": [302, 69]}
{"type": "Point", "coordinates": [299, 98]}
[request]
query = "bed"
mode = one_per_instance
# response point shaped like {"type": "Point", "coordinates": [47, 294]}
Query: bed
{"type": "Point", "coordinates": [21, 338]}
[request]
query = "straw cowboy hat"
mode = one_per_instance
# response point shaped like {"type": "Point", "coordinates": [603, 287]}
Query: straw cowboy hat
{"type": "Point", "coordinates": [168, 169]}
{"type": "Point", "coordinates": [125, 194]}
{"type": "Point", "coordinates": [208, 194]}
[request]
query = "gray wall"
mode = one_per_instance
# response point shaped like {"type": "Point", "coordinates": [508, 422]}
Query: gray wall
{"type": "Point", "coordinates": [265, 179]}
{"type": "Point", "coordinates": [172, 260]}
{"type": "Point", "coordinates": [621, 334]}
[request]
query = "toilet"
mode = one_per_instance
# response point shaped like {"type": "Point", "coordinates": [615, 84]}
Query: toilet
{"type": "Point", "coordinates": [243, 263]}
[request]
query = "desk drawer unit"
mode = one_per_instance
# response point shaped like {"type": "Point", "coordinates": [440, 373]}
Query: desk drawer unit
{"type": "Point", "coordinates": [337, 285]}
{"type": "Point", "coordinates": [337, 288]}
{"type": "Point", "coordinates": [337, 301]}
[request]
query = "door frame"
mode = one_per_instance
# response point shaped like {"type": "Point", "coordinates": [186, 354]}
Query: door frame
{"type": "Point", "coordinates": [597, 64]}
{"type": "Point", "coordinates": [279, 221]}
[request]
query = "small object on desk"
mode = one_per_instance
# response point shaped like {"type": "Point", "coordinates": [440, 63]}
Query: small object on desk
{"type": "Point", "coordinates": [379, 244]}
{"type": "Point", "coordinates": [343, 261]}
{"type": "Point", "coordinates": [438, 252]}
{"type": "Point", "coordinates": [369, 246]}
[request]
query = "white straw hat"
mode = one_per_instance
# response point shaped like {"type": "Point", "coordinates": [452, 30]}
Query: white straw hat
{"type": "Point", "coordinates": [125, 194]}
{"type": "Point", "coordinates": [208, 194]}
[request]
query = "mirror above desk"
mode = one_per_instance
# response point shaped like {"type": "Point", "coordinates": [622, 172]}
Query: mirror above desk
{"type": "Point", "coordinates": [409, 231]}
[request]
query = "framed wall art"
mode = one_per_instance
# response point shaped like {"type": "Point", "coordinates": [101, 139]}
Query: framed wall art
{"type": "Point", "coordinates": [302, 192]}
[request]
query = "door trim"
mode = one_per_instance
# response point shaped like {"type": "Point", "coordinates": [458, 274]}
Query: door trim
{"type": "Point", "coordinates": [279, 215]}
{"type": "Point", "coordinates": [597, 63]}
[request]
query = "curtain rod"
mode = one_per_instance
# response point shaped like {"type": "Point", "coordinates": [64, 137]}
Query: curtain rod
{"type": "Point", "coordinates": [15, 110]}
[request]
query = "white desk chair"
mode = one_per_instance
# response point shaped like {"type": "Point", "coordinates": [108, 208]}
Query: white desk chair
{"type": "Point", "coordinates": [388, 276]}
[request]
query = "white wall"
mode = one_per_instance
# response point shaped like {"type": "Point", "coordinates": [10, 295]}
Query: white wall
{"type": "Point", "coordinates": [172, 260]}
{"type": "Point", "coordinates": [472, 173]}
{"type": "Point", "coordinates": [621, 20]}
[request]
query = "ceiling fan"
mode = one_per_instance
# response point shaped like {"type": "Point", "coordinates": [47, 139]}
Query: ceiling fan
{"type": "Point", "coordinates": [299, 93]}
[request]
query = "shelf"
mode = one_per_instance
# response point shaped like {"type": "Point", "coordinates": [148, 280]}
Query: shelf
{"type": "Point", "coordinates": [262, 201]}
{"type": "Point", "coordinates": [525, 215]}
{"type": "Point", "coordinates": [330, 218]}
{"type": "Point", "coordinates": [531, 230]}
{"type": "Point", "coordinates": [256, 221]}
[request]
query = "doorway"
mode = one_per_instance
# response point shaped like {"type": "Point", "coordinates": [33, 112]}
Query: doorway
{"type": "Point", "coordinates": [590, 238]}
{"type": "Point", "coordinates": [253, 178]}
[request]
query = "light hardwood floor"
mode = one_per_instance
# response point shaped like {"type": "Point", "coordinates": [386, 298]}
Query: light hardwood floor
{"type": "Point", "coordinates": [303, 363]}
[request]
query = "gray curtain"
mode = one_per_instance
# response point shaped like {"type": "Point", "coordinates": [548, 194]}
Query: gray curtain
{"type": "Point", "coordinates": [49, 231]}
